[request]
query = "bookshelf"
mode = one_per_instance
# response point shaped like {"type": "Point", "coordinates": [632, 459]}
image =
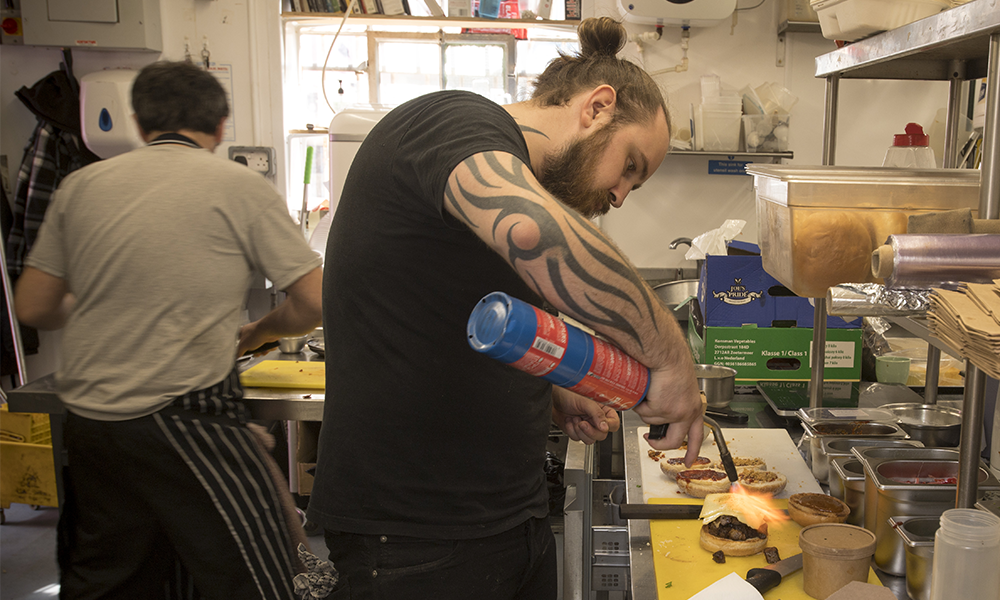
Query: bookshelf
{"type": "Point", "coordinates": [312, 18]}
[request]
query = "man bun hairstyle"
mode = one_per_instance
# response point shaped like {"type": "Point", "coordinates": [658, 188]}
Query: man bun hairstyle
{"type": "Point", "coordinates": [171, 96]}
{"type": "Point", "coordinates": [597, 63]}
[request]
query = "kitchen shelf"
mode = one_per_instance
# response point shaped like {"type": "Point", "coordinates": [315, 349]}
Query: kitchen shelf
{"type": "Point", "coordinates": [411, 21]}
{"type": "Point", "coordinates": [799, 27]}
{"type": "Point", "coordinates": [733, 154]}
{"type": "Point", "coordinates": [917, 326]}
{"type": "Point", "coordinates": [955, 45]}
{"type": "Point", "coordinates": [923, 50]}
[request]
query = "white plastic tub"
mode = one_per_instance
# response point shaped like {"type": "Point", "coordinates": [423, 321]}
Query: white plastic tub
{"type": "Point", "coordinates": [720, 130]}
{"type": "Point", "coordinates": [851, 20]}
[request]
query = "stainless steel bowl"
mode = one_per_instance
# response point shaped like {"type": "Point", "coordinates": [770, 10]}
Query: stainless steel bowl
{"type": "Point", "coordinates": [932, 424]}
{"type": "Point", "coordinates": [292, 345]}
{"type": "Point", "coordinates": [677, 293]}
{"type": "Point", "coordinates": [718, 383]}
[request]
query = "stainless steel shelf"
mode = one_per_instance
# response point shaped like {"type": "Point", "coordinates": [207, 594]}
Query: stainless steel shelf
{"type": "Point", "coordinates": [799, 27]}
{"type": "Point", "coordinates": [732, 154]}
{"type": "Point", "coordinates": [922, 50]}
{"type": "Point", "coordinates": [917, 326]}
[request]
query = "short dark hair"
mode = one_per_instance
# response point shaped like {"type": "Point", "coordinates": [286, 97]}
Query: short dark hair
{"type": "Point", "coordinates": [171, 96]}
{"type": "Point", "coordinates": [597, 63]}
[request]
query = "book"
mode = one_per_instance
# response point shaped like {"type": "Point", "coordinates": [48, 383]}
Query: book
{"type": "Point", "coordinates": [393, 7]}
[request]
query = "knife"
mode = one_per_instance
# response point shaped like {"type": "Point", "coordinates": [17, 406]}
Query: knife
{"type": "Point", "coordinates": [765, 578]}
{"type": "Point", "coordinates": [659, 511]}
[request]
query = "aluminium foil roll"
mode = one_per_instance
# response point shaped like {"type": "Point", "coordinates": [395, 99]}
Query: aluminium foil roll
{"type": "Point", "coordinates": [875, 300]}
{"type": "Point", "coordinates": [924, 261]}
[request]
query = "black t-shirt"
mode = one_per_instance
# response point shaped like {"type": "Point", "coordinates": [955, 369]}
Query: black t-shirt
{"type": "Point", "coordinates": [422, 436]}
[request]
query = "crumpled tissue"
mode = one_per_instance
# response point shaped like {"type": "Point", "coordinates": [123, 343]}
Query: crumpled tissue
{"type": "Point", "coordinates": [715, 242]}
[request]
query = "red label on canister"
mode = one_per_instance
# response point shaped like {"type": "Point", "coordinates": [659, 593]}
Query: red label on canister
{"type": "Point", "coordinates": [614, 379]}
{"type": "Point", "coordinates": [548, 347]}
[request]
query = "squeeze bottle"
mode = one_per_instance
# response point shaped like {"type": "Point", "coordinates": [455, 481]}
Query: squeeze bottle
{"type": "Point", "coordinates": [910, 150]}
{"type": "Point", "coordinates": [530, 339]}
{"type": "Point", "coordinates": [966, 555]}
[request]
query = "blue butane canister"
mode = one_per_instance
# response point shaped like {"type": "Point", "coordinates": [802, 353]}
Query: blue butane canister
{"type": "Point", "coordinates": [530, 339]}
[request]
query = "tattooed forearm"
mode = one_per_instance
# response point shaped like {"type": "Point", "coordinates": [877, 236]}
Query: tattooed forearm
{"type": "Point", "coordinates": [569, 246]}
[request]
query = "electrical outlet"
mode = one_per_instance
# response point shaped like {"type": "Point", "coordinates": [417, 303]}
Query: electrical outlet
{"type": "Point", "coordinates": [258, 158]}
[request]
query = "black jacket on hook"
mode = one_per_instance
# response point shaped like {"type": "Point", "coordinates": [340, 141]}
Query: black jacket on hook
{"type": "Point", "coordinates": [55, 149]}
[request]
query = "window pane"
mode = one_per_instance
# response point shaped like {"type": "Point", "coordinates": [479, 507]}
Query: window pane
{"type": "Point", "coordinates": [407, 70]}
{"type": "Point", "coordinates": [313, 107]}
{"type": "Point", "coordinates": [477, 68]}
{"type": "Point", "coordinates": [344, 71]}
{"type": "Point", "coordinates": [532, 58]}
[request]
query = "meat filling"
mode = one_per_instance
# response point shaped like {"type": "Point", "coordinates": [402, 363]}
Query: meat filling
{"type": "Point", "coordinates": [731, 528]}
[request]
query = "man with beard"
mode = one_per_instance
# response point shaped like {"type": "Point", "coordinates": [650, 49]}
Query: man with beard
{"type": "Point", "coordinates": [430, 479]}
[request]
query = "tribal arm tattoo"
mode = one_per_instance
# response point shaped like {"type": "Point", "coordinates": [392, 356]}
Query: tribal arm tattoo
{"type": "Point", "coordinates": [559, 253]}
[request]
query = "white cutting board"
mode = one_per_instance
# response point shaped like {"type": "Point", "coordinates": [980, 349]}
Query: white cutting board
{"type": "Point", "coordinates": [773, 445]}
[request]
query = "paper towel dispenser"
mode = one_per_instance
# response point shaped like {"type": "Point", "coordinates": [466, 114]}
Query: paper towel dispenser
{"type": "Point", "coordinates": [106, 115]}
{"type": "Point", "coordinates": [693, 13]}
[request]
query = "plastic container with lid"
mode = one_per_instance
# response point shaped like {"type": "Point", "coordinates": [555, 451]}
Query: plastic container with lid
{"type": "Point", "coordinates": [818, 225]}
{"type": "Point", "coordinates": [833, 555]}
{"type": "Point", "coordinates": [910, 150]}
{"type": "Point", "coordinates": [851, 20]}
{"type": "Point", "coordinates": [966, 555]}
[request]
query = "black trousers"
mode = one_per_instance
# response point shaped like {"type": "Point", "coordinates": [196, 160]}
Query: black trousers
{"type": "Point", "coordinates": [519, 564]}
{"type": "Point", "coordinates": [178, 504]}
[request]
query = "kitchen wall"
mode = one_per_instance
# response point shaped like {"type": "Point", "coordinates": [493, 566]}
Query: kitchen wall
{"type": "Point", "coordinates": [243, 35]}
{"type": "Point", "coordinates": [680, 200]}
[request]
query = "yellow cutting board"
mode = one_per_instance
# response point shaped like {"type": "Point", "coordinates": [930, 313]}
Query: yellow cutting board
{"type": "Point", "coordinates": [683, 568]}
{"type": "Point", "coordinates": [297, 374]}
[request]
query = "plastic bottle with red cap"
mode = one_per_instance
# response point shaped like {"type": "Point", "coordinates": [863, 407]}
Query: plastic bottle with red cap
{"type": "Point", "coordinates": [910, 150]}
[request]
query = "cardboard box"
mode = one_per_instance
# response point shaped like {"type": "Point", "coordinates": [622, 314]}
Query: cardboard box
{"type": "Point", "coordinates": [735, 290]}
{"type": "Point", "coordinates": [776, 353]}
{"type": "Point", "coordinates": [305, 478]}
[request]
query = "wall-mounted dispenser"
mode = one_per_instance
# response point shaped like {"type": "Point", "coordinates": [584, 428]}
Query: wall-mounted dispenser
{"type": "Point", "coordinates": [106, 112]}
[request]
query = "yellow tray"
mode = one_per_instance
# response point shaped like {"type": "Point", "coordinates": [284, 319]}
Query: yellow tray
{"type": "Point", "coordinates": [683, 569]}
{"type": "Point", "coordinates": [296, 374]}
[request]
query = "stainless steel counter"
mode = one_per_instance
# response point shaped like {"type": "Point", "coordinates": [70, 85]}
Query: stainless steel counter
{"type": "Point", "coordinates": [641, 575]}
{"type": "Point", "coordinates": [264, 404]}
{"type": "Point", "coordinates": [642, 579]}
{"type": "Point", "coordinates": [273, 404]}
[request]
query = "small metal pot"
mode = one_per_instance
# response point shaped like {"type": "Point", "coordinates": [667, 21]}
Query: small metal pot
{"type": "Point", "coordinates": [932, 424]}
{"type": "Point", "coordinates": [718, 383]}
{"type": "Point", "coordinates": [292, 345]}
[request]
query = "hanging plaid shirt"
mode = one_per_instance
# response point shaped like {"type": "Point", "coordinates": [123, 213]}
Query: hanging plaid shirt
{"type": "Point", "coordinates": [50, 155]}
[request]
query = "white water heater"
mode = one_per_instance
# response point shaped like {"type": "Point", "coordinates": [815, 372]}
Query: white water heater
{"type": "Point", "coordinates": [691, 13]}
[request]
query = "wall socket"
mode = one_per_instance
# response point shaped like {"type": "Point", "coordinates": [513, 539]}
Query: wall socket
{"type": "Point", "coordinates": [258, 158]}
